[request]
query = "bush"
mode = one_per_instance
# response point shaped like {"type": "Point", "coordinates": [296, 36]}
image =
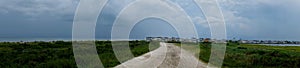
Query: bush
{"type": "Point", "coordinates": [57, 54]}
{"type": "Point", "coordinates": [253, 56]}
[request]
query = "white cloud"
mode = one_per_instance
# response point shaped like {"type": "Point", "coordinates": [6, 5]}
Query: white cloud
{"type": "Point", "coordinates": [243, 17]}
{"type": "Point", "coordinates": [201, 21]}
{"type": "Point", "coordinates": [115, 6]}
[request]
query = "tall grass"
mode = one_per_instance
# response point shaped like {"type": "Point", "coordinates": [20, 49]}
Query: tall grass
{"type": "Point", "coordinates": [255, 56]}
{"type": "Point", "coordinates": [58, 54]}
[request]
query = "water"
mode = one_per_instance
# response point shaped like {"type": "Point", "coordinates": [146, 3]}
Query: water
{"type": "Point", "coordinates": [32, 39]}
{"type": "Point", "coordinates": [281, 44]}
{"type": "Point", "coordinates": [44, 39]}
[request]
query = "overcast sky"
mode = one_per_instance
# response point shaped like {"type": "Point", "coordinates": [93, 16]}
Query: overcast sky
{"type": "Point", "coordinates": [245, 19]}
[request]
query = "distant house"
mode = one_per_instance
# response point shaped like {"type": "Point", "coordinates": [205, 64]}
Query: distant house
{"type": "Point", "coordinates": [149, 39]}
{"type": "Point", "coordinates": [207, 40]}
{"type": "Point", "coordinates": [243, 41]}
{"type": "Point", "coordinates": [155, 39]}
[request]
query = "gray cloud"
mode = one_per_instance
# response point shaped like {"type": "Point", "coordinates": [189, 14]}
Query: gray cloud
{"type": "Point", "coordinates": [38, 7]}
{"type": "Point", "coordinates": [249, 19]}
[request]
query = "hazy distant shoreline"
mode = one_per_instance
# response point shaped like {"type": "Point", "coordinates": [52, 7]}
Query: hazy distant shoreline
{"type": "Point", "coordinates": [32, 40]}
{"type": "Point", "coordinates": [70, 39]}
{"type": "Point", "coordinates": [41, 39]}
{"type": "Point", "coordinates": [46, 39]}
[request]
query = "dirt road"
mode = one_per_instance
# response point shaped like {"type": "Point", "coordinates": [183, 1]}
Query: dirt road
{"type": "Point", "coordinates": [166, 56]}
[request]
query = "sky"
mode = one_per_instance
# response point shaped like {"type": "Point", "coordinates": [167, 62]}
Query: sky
{"type": "Point", "coordinates": [245, 19]}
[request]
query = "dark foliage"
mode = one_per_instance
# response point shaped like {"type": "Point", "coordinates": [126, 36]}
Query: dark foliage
{"type": "Point", "coordinates": [255, 56]}
{"type": "Point", "coordinates": [57, 54]}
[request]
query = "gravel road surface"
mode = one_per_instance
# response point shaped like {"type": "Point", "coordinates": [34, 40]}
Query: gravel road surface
{"type": "Point", "coordinates": [166, 56]}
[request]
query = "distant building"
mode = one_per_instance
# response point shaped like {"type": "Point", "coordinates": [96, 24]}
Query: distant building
{"type": "Point", "coordinates": [207, 40]}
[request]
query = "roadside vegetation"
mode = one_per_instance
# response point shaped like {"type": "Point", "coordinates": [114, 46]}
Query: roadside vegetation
{"type": "Point", "coordinates": [254, 55]}
{"type": "Point", "coordinates": [57, 54]}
